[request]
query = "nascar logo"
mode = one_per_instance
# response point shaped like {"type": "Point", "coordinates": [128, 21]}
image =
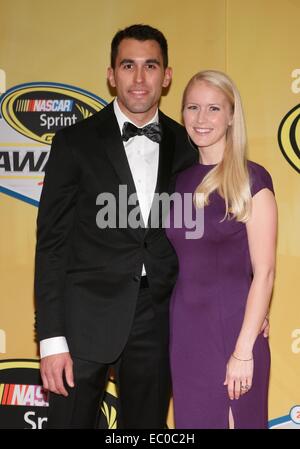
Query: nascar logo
{"type": "Point", "coordinates": [23, 401]}
{"type": "Point", "coordinates": [30, 116]}
{"type": "Point", "coordinates": [44, 105]}
{"type": "Point", "coordinates": [289, 137]}
{"type": "Point", "coordinates": [23, 395]}
{"type": "Point", "coordinates": [21, 106]}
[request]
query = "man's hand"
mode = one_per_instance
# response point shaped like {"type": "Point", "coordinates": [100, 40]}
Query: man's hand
{"type": "Point", "coordinates": [265, 328]}
{"type": "Point", "coordinates": [53, 369]}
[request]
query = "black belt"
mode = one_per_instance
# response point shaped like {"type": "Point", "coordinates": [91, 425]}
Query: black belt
{"type": "Point", "coordinates": [144, 282]}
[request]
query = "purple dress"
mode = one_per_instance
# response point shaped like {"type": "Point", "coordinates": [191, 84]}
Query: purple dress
{"type": "Point", "coordinates": [207, 310]}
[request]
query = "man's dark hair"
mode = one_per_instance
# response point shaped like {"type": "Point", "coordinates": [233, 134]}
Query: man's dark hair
{"type": "Point", "coordinates": [140, 33]}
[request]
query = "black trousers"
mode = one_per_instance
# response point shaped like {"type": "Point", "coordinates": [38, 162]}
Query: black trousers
{"type": "Point", "coordinates": [142, 375]}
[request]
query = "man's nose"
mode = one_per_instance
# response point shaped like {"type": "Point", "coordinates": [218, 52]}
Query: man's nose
{"type": "Point", "coordinates": [139, 75]}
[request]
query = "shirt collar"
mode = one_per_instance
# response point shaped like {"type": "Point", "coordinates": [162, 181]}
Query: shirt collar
{"type": "Point", "coordinates": [121, 117]}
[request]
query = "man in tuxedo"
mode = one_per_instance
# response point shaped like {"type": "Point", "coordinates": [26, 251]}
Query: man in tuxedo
{"type": "Point", "coordinates": [102, 293]}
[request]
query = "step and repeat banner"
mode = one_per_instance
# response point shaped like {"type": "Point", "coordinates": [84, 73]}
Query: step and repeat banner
{"type": "Point", "coordinates": [53, 62]}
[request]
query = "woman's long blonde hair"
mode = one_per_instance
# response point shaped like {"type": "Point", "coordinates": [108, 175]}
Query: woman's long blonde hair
{"type": "Point", "coordinates": [230, 177]}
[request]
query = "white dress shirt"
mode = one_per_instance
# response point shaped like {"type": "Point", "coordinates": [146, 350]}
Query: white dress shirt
{"type": "Point", "coordinates": [142, 155]}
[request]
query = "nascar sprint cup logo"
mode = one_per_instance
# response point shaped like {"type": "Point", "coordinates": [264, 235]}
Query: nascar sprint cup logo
{"type": "Point", "coordinates": [289, 137]}
{"type": "Point", "coordinates": [23, 401]}
{"type": "Point", "coordinates": [30, 116]}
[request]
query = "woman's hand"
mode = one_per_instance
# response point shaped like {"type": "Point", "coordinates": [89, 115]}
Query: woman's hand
{"type": "Point", "coordinates": [239, 374]}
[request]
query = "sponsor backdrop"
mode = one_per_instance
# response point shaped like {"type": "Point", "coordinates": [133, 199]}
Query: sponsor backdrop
{"type": "Point", "coordinates": [53, 60]}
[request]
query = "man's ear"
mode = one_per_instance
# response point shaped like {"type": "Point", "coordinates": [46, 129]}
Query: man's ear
{"type": "Point", "coordinates": [111, 76]}
{"type": "Point", "coordinates": [168, 77]}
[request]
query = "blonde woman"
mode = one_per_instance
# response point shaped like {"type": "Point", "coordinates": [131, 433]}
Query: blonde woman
{"type": "Point", "coordinates": [220, 361]}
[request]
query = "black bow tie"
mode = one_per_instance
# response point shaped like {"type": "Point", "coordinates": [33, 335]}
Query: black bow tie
{"type": "Point", "coordinates": [153, 131]}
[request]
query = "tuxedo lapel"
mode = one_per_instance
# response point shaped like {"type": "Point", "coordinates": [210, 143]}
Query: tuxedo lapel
{"type": "Point", "coordinates": [110, 135]}
{"type": "Point", "coordinates": [111, 140]}
{"type": "Point", "coordinates": [166, 151]}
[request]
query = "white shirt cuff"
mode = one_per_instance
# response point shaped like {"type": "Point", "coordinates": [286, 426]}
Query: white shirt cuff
{"type": "Point", "coordinates": [54, 345]}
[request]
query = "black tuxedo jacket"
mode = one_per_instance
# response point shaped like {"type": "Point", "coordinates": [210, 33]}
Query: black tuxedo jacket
{"type": "Point", "coordinates": [87, 278]}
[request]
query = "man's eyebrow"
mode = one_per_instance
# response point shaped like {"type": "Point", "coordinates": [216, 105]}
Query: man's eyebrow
{"type": "Point", "coordinates": [126, 61]}
{"type": "Point", "coordinates": [132, 61]}
{"type": "Point", "coordinates": [153, 61]}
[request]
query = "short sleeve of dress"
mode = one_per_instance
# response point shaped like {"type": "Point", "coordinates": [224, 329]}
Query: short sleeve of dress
{"type": "Point", "coordinates": [260, 178]}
